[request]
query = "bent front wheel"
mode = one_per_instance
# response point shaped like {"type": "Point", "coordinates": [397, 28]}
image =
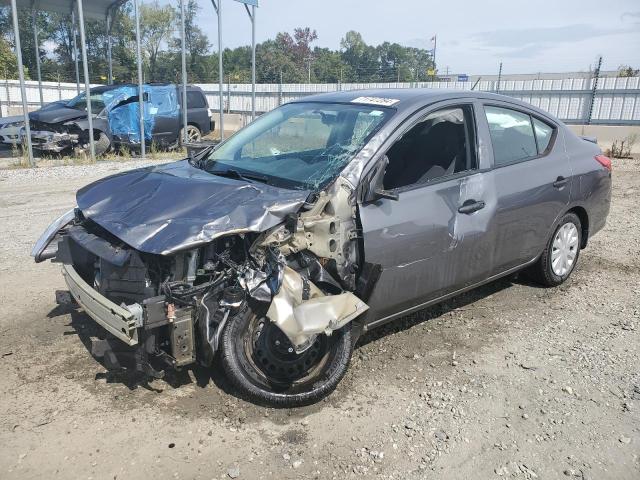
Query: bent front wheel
{"type": "Point", "coordinates": [261, 363]}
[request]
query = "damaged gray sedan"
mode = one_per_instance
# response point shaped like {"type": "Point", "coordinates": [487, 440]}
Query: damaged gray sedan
{"type": "Point", "coordinates": [269, 254]}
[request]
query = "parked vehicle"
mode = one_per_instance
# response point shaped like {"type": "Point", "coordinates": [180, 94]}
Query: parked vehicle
{"type": "Point", "coordinates": [270, 253]}
{"type": "Point", "coordinates": [63, 126]}
{"type": "Point", "coordinates": [10, 129]}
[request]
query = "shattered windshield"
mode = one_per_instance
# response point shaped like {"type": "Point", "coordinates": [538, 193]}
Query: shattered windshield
{"type": "Point", "coordinates": [80, 102]}
{"type": "Point", "coordinates": [299, 145]}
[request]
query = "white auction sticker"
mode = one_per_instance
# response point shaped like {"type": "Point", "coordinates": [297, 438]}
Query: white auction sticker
{"type": "Point", "coordinates": [385, 102]}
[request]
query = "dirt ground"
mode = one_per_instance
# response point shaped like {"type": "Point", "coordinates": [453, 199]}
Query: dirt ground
{"type": "Point", "coordinates": [508, 381]}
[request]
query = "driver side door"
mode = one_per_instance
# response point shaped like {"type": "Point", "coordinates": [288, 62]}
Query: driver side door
{"type": "Point", "coordinates": [415, 237]}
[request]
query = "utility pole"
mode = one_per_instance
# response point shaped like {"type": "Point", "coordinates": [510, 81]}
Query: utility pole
{"type": "Point", "coordinates": [594, 88]}
{"type": "Point", "coordinates": [309, 68]}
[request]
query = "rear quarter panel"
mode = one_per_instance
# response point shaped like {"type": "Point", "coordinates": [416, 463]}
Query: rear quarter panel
{"type": "Point", "coordinates": [591, 188]}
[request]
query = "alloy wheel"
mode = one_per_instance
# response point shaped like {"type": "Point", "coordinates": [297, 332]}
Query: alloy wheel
{"type": "Point", "coordinates": [564, 249]}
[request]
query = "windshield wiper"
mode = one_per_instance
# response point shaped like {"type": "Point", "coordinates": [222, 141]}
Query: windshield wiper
{"type": "Point", "coordinates": [231, 173]}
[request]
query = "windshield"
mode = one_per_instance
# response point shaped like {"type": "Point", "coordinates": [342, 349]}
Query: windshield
{"type": "Point", "coordinates": [80, 103]}
{"type": "Point", "coordinates": [300, 145]}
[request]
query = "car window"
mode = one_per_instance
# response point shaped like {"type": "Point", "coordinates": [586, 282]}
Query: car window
{"type": "Point", "coordinates": [300, 133]}
{"type": "Point", "coordinates": [511, 135]}
{"type": "Point", "coordinates": [544, 133]}
{"type": "Point", "coordinates": [196, 100]}
{"type": "Point", "coordinates": [80, 102]}
{"type": "Point", "coordinates": [300, 145]}
{"type": "Point", "coordinates": [438, 146]}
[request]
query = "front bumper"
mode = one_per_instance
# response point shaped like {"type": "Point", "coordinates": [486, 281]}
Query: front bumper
{"type": "Point", "coordinates": [121, 321]}
{"type": "Point", "coordinates": [51, 141]}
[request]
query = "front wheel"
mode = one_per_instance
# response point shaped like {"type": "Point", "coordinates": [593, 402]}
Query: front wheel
{"type": "Point", "coordinates": [261, 363]}
{"type": "Point", "coordinates": [560, 256]}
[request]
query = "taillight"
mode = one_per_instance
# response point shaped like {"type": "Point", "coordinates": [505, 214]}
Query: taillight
{"type": "Point", "coordinates": [604, 161]}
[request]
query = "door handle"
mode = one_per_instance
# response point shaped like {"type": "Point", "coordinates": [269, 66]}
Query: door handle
{"type": "Point", "coordinates": [470, 206]}
{"type": "Point", "coordinates": [560, 182]}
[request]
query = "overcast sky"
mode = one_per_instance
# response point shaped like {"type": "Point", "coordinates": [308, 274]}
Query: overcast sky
{"type": "Point", "coordinates": [472, 36]}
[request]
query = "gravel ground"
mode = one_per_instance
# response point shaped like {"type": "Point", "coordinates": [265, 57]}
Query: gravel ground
{"type": "Point", "coordinates": [508, 381]}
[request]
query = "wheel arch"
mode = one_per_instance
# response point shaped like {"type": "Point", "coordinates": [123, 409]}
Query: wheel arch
{"type": "Point", "coordinates": [582, 214]}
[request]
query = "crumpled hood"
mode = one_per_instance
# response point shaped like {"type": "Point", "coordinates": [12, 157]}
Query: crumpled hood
{"type": "Point", "coordinates": [56, 113]}
{"type": "Point", "coordinates": [172, 207]}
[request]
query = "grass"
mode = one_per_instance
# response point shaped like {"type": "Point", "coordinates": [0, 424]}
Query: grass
{"type": "Point", "coordinates": [124, 154]}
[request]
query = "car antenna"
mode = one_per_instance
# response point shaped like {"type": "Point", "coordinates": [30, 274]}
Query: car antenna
{"type": "Point", "coordinates": [476, 84]}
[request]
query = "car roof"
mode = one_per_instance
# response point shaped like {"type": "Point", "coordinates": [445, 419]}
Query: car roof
{"type": "Point", "coordinates": [410, 98]}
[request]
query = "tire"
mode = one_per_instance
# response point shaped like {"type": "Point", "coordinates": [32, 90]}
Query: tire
{"type": "Point", "coordinates": [544, 271]}
{"type": "Point", "coordinates": [193, 134]}
{"type": "Point", "coordinates": [102, 144]}
{"type": "Point", "coordinates": [274, 376]}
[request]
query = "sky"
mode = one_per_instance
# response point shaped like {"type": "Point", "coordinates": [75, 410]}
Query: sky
{"type": "Point", "coordinates": [473, 36]}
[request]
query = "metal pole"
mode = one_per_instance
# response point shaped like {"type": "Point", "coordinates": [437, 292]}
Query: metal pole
{"type": "Point", "coordinates": [185, 137]}
{"type": "Point", "coordinates": [218, 8]}
{"type": "Point", "coordinates": [499, 78]}
{"type": "Point", "coordinates": [109, 58]}
{"type": "Point", "coordinates": [252, 17]}
{"type": "Point", "coordinates": [23, 90]}
{"type": "Point", "coordinates": [75, 49]}
{"type": "Point", "coordinates": [87, 83]}
{"type": "Point", "coordinates": [34, 18]}
{"type": "Point", "coordinates": [136, 10]}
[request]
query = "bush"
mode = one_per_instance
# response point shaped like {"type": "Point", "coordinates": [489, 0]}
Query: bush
{"type": "Point", "coordinates": [622, 148]}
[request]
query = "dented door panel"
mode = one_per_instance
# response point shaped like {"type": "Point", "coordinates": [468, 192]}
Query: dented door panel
{"type": "Point", "coordinates": [414, 239]}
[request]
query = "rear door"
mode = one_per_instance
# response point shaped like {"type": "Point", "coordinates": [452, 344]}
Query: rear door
{"type": "Point", "coordinates": [198, 111]}
{"type": "Point", "coordinates": [532, 178]}
{"type": "Point", "coordinates": [163, 108]}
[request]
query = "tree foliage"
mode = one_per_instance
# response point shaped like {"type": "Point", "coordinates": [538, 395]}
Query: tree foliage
{"type": "Point", "coordinates": [290, 57]}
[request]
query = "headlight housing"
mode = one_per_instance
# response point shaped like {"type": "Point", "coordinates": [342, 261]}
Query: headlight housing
{"type": "Point", "coordinates": [43, 242]}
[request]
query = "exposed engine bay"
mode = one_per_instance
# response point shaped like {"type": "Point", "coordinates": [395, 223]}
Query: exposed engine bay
{"type": "Point", "coordinates": [299, 275]}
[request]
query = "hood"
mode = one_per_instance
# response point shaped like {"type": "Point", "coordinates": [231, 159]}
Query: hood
{"type": "Point", "coordinates": [56, 112]}
{"type": "Point", "coordinates": [172, 207]}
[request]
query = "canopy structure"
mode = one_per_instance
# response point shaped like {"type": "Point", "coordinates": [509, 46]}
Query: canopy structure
{"type": "Point", "coordinates": [79, 10]}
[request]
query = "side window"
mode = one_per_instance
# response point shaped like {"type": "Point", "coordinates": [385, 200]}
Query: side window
{"type": "Point", "coordinates": [544, 133]}
{"type": "Point", "coordinates": [441, 144]}
{"type": "Point", "coordinates": [512, 135]}
{"type": "Point", "coordinates": [195, 99]}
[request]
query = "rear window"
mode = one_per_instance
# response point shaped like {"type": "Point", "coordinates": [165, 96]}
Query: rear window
{"type": "Point", "coordinates": [196, 100]}
{"type": "Point", "coordinates": [516, 136]}
{"type": "Point", "coordinates": [511, 135]}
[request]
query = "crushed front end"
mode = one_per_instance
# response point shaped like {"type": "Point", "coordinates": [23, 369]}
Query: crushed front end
{"type": "Point", "coordinates": [299, 274]}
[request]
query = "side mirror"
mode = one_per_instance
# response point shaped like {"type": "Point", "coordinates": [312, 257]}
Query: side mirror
{"type": "Point", "coordinates": [376, 189]}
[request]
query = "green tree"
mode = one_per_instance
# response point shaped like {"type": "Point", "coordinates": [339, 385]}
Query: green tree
{"type": "Point", "coordinates": [197, 43]}
{"type": "Point", "coordinates": [627, 71]}
{"type": "Point", "coordinates": [156, 27]}
{"type": "Point", "coordinates": [8, 61]}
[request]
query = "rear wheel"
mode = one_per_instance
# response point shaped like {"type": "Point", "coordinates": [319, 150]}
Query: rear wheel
{"type": "Point", "coordinates": [193, 134]}
{"type": "Point", "coordinates": [560, 256]}
{"type": "Point", "coordinates": [262, 364]}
